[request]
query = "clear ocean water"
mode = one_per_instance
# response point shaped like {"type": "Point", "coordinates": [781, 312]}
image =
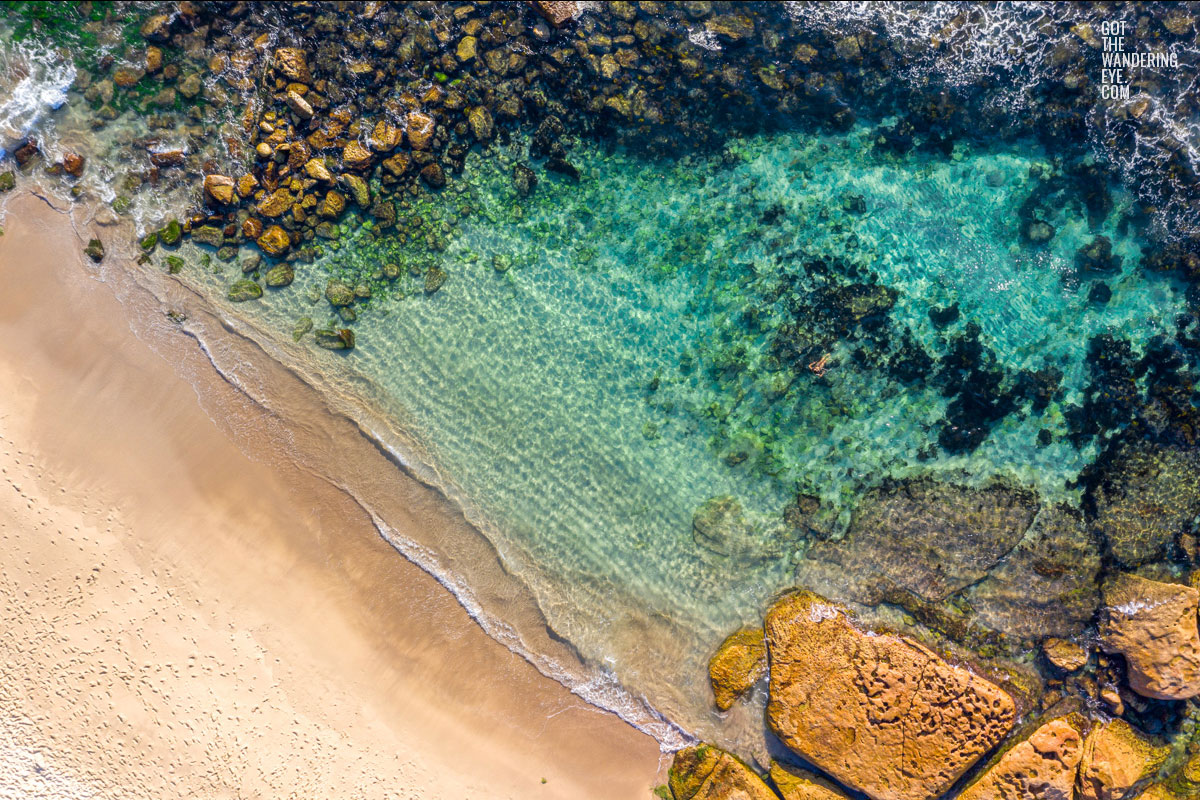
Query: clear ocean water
{"type": "Point", "coordinates": [602, 360]}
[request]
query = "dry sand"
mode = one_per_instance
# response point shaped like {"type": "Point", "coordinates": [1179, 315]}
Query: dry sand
{"type": "Point", "coordinates": [180, 620]}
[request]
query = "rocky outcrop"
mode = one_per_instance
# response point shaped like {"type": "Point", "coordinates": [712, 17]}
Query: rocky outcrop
{"type": "Point", "coordinates": [1043, 766]}
{"type": "Point", "coordinates": [736, 666]}
{"type": "Point", "coordinates": [794, 783]}
{"type": "Point", "coordinates": [1153, 625]}
{"type": "Point", "coordinates": [1116, 758]}
{"type": "Point", "coordinates": [1148, 495]}
{"type": "Point", "coordinates": [881, 713]}
{"type": "Point", "coordinates": [926, 538]}
{"type": "Point", "coordinates": [704, 772]}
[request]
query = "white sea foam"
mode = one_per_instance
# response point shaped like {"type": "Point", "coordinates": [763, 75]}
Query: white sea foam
{"type": "Point", "coordinates": [33, 83]}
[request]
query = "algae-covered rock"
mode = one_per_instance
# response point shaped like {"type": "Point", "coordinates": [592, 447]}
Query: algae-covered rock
{"type": "Point", "coordinates": [737, 665]}
{"type": "Point", "coordinates": [795, 783]}
{"type": "Point", "coordinates": [703, 772]}
{"type": "Point", "coordinates": [279, 276]}
{"type": "Point", "coordinates": [302, 326]}
{"type": "Point", "coordinates": [243, 290]}
{"type": "Point", "coordinates": [524, 179]}
{"type": "Point", "coordinates": [391, 271]}
{"type": "Point", "coordinates": [927, 538]}
{"type": "Point", "coordinates": [94, 250]}
{"type": "Point", "coordinates": [8, 181]}
{"type": "Point", "coordinates": [210, 235]}
{"type": "Point", "coordinates": [174, 265]}
{"type": "Point", "coordinates": [1042, 766]}
{"type": "Point", "coordinates": [1116, 758]}
{"type": "Point", "coordinates": [339, 339]}
{"type": "Point", "coordinates": [338, 293]}
{"type": "Point", "coordinates": [149, 242]}
{"type": "Point", "coordinates": [171, 234]}
{"type": "Point", "coordinates": [1147, 496]}
{"type": "Point", "coordinates": [1154, 626]}
{"type": "Point", "coordinates": [881, 713]}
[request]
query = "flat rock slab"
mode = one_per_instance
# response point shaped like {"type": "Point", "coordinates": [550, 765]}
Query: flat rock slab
{"type": "Point", "coordinates": [1153, 625]}
{"type": "Point", "coordinates": [880, 713]}
{"type": "Point", "coordinates": [1116, 758]}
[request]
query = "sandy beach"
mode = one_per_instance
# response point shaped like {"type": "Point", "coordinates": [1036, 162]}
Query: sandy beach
{"type": "Point", "coordinates": [182, 620]}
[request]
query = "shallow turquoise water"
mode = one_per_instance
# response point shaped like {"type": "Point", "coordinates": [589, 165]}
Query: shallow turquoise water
{"type": "Point", "coordinates": [530, 388]}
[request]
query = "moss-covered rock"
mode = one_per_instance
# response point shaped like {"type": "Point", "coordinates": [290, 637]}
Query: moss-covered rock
{"type": "Point", "coordinates": [338, 293]}
{"type": "Point", "coordinates": [171, 234]}
{"type": "Point", "coordinates": [210, 235]}
{"type": "Point", "coordinates": [8, 181]}
{"type": "Point", "coordinates": [704, 772]}
{"type": "Point", "coordinates": [243, 290]}
{"type": "Point", "coordinates": [434, 278]}
{"type": "Point", "coordinates": [174, 265]}
{"type": "Point", "coordinates": [280, 275]}
{"type": "Point", "coordinates": [149, 242]}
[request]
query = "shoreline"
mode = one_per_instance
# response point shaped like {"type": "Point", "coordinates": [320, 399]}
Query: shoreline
{"type": "Point", "coordinates": [405, 685]}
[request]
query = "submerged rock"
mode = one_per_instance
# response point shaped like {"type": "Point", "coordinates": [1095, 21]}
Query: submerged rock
{"type": "Point", "coordinates": [1047, 584]}
{"type": "Point", "coordinates": [8, 181]}
{"type": "Point", "coordinates": [243, 290]}
{"type": "Point", "coordinates": [722, 527]}
{"type": "Point", "coordinates": [434, 279]}
{"type": "Point", "coordinates": [737, 665]}
{"type": "Point", "coordinates": [1154, 626]}
{"type": "Point", "coordinates": [338, 293]}
{"type": "Point", "coordinates": [524, 180]}
{"type": "Point", "coordinates": [1147, 496]}
{"type": "Point", "coordinates": [881, 713]}
{"type": "Point", "coordinates": [1043, 766]}
{"type": "Point", "coordinates": [94, 250]}
{"type": "Point", "coordinates": [1064, 655]}
{"type": "Point", "coordinates": [219, 188]}
{"type": "Point", "coordinates": [171, 234]}
{"type": "Point", "coordinates": [1116, 758]}
{"type": "Point", "coordinates": [274, 241]}
{"type": "Point", "coordinates": [279, 276]}
{"type": "Point", "coordinates": [930, 539]}
{"type": "Point", "coordinates": [339, 339]}
{"type": "Point", "coordinates": [703, 772]}
{"type": "Point", "coordinates": [210, 235]}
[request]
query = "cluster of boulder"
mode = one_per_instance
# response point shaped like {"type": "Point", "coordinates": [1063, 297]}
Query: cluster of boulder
{"type": "Point", "coordinates": [871, 713]}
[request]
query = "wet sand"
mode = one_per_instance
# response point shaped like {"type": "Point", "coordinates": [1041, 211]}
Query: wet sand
{"type": "Point", "coordinates": [180, 619]}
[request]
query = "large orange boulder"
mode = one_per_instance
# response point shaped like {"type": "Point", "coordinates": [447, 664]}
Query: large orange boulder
{"type": "Point", "coordinates": [1043, 766]}
{"type": "Point", "coordinates": [1153, 625]}
{"type": "Point", "coordinates": [880, 713]}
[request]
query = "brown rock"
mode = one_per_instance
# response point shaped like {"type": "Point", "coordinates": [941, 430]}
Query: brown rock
{"type": "Point", "coordinates": [219, 188]}
{"type": "Point", "coordinates": [157, 28]}
{"type": "Point", "coordinates": [467, 48]}
{"type": "Point", "coordinates": [298, 105]}
{"type": "Point", "coordinates": [480, 120]}
{"type": "Point", "coordinates": [794, 783]}
{"type": "Point", "coordinates": [1116, 757]}
{"type": "Point", "coordinates": [1043, 766]}
{"type": "Point", "coordinates": [1153, 625]}
{"type": "Point", "coordinates": [293, 64]}
{"type": "Point", "coordinates": [125, 77]}
{"type": "Point", "coordinates": [398, 164]}
{"type": "Point", "coordinates": [154, 59]}
{"type": "Point", "coordinates": [420, 130]}
{"type": "Point", "coordinates": [167, 158]}
{"type": "Point", "coordinates": [276, 204]}
{"type": "Point", "coordinates": [252, 228]}
{"type": "Point", "coordinates": [73, 164]}
{"type": "Point", "coordinates": [704, 772]}
{"type": "Point", "coordinates": [246, 184]}
{"type": "Point", "coordinates": [274, 241]}
{"type": "Point", "coordinates": [355, 156]}
{"type": "Point", "coordinates": [385, 137]}
{"type": "Point", "coordinates": [1064, 655]}
{"type": "Point", "coordinates": [315, 168]}
{"type": "Point", "coordinates": [881, 713]}
{"type": "Point", "coordinates": [557, 12]}
{"type": "Point", "coordinates": [434, 175]}
{"type": "Point", "coordinates": [333, 205]}
{"type": "Point", "coordinates": [737, 665]}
